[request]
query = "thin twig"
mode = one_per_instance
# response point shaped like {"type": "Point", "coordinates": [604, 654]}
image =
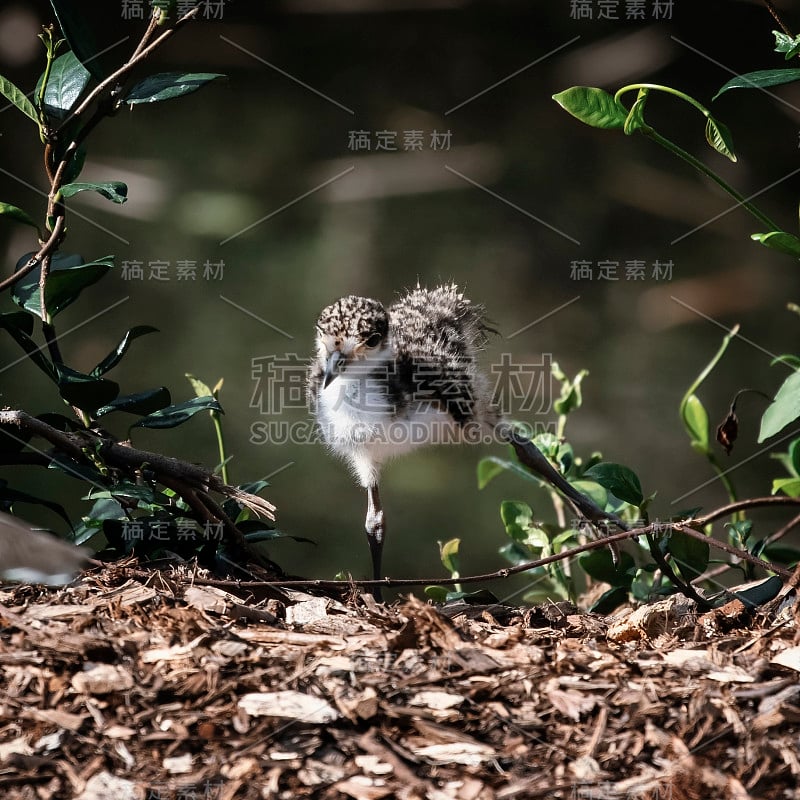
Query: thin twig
{"type": "Point", "coordinates": [652, 529]}
{"type": "Point", "coordinates": [777, 17]}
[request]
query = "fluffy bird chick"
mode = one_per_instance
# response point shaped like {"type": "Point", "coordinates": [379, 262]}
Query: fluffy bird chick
{"type": "Point", "coordinates": [384, 381]}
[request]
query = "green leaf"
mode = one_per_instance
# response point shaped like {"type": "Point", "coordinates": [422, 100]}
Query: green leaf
{"type": "Point", "coordinates": [789, 486]}
{"type": "Point", "coordinates": [115, 356]}
{"type": "Point", "coordinates": [720, 138]}
{"type": "Point", "coordinates": [786, 243]}
{"type": "Point", "coordinates": [515, 553]}
{"type": "Point", "coordinates": [690, 554]}
{"type": "Point", "coordinates": [200, 389]}
{"type": "Point", "coordinates": [491, 466]}
{"type": "Point", "coordinates": [68, 277]}
{"type": "Point", "coordinates": [695, 420]}
{"type": "Point", "coordinates": [593, 490]}
{"type": "Point", "coordinates": [635, 118]}
{"type": "Point", "coordinates": [790, 45]}
{"type": "Point", "coordinates": [116, 191]}
{"type": "Point", "coordinates": [17, 97]}
{"type": "Point", "coordinates": [85, 391]}
{"type": "Point", "coordinates": [448, 553]}
{"type": "Point", "coordinates": [599, 564]}
{"type": "Point", "coordinates": [570, 398]}
{"type": "Point", "coordinates": [593, 107]}
{"type": "Point", "coordinates": [19, 326]}
{"type": "Point", "coordinates": [437, 593]}
{"type": "Point", "coordinates": [133, 491]}
{"type": "Point", "coordinates": [739, 532]}
{"type": "Point", "coordinates": [783, 410]}
{"type": "Point", "coordinates": [621, 481]}
{"type": "Point", "coordinates": [794, 456]}
{"type": "Point", "coordinates": [7, 210]}
{"type": "Point", "coordinates": [789, 359]}
{"type": "Point", "coordinates": [139, 403]}
{"type": "Point", "coordinates": [760, 79]}
{"type": "Point", "coordinates": [167, 85]}
{"type": "Point", "coordinates": [73, 20]}
{"type": "Point", "coordinates": [68, 78]}
{"type": "Point", "coordinates": [178, 414]}
{"type": "Point", "coordinates": [517, 518]}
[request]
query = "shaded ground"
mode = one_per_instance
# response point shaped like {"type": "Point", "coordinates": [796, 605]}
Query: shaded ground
{"type": "Point", "coordinates": [169, 689]}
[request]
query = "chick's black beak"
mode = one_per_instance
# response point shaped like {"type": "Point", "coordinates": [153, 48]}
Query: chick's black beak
{"type": "Point", "coordinates": [333, 366]}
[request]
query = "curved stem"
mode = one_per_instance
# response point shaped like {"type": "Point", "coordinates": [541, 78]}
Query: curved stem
{"type": "Point", "coordinates": [709, 173]}
{"type": "Point", "coordinates": [668, 90]}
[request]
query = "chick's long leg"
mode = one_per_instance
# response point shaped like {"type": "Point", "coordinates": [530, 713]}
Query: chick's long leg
{"type": "Point", "coordinates": [375, 526]}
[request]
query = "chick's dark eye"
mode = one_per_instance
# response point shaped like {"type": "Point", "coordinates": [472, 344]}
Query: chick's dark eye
{"type": "Point", "coordinates": [374, 340]}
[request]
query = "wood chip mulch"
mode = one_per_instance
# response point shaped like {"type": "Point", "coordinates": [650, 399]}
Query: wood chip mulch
{"type": "Point", "coordinates": [167, 689]}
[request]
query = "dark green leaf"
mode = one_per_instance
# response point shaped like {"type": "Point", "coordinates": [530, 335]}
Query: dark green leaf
{"type": "Point", "coordinates": [140, 403]}
{"type": "Point", "coordinates": [12, 212]}
{"type": "Point", "coordinates": [610, 599]}
{"type": "Point", "coordinates": [255, 530]}
{"type": "Point", "coordinates": [786, 243]}
{"type": "Point", "coordinates": [689, 553]}
{"type": "Point", "coordinates": [68, 277]}
{"type": "Point", "coordinates": [116, 191]}
{"type": "Point", "coordinates": [720, 138]}
{"type": "Point", "coordinates": [9, 497]}
{"type": "Point", "coordinates": [619, 480]}
{"type": "Point", "coordinates": [593, 107]}
{"type": "Point", "coordinates": [167, 85]}
{"type": "Point", "coordinates": [739, 532]}
{"type": "Point", "coordinates": [81, 471]}
{"type": "Point", "coordinates": [115, 356]}
{"type": "Point", "coordinates": [783, 410]}
{"type": "Point", "coordinates": [781, 554]}
{"type": "Point", "coordinates": [73, 20]}
{"type": "Point", "coordinates": [85, 391]}
{"type": "Point", "coordinates": [75, 164]}
{"type": "Point", "coordinates": [178, 414]}
{"type": "Point", "coordinates": [132, 491]}
{"type": "Point", "coordinates": [19, 326]}
{"type": "Point", "coordinates": [599, 564]}
{"type": "Point", "coordinates": [68, 79]}
{"type": "Point", "coordinates": [756, 596]}
{"type": "Point", "coordinates": [479, 597]}
{"type": "Point", "coordinates": [17, 98]}
{"type": "Point", "coordinates": [760, 79]}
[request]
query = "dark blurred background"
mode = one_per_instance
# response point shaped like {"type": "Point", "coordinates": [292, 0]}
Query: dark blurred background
{"type": "Point", "coordinates": [217, 176]}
